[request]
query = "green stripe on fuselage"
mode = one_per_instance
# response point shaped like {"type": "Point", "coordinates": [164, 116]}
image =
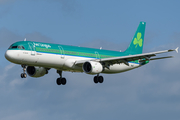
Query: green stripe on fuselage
{"type": "Point", "coordinates": [73, 53]}
{"type": "Point", "coordinates": [70, 50]}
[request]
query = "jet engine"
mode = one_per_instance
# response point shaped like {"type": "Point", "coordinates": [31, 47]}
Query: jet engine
{"type": "Point", "coordinates": [91, 67]}
{"type": "Point", "coordinates": [36, 71]}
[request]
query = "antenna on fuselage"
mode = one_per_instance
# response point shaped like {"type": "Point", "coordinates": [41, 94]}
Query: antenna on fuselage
{"type": "Point", "coordinates": [24, 39]}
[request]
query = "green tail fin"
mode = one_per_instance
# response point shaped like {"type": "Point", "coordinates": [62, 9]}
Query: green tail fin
{"type": "Point", "coordinates": [136, 45]}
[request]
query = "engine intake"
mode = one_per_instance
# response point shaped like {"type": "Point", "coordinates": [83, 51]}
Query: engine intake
{"type": "Point", "coordinates": [36, 71]}
{"type": "Point", "coordinates": [91, 67]}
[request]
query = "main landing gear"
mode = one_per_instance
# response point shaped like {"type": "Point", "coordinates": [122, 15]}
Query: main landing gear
{"type": "Point", "coordinates": [60, 80]}
{"type": "Point", "coordinates": [24, 75]}
{"type": "Point", "coordinates": [99, 79]}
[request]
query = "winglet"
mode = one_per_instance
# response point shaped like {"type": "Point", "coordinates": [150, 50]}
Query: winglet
{"type": "Point", "coordinates": [177, 49]}
{"type": "Point", "coordinates": [174, 50]}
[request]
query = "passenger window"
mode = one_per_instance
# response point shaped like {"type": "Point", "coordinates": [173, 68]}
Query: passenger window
{"type": "Point", "coordinates": [23, 47]}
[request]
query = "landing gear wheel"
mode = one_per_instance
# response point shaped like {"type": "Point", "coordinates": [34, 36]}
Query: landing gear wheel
{"type": "Point", "coordinates": [63, 81]}
{"type": "Point", "coordinates": [58, 81]}
{"type": "Point", "coordinates": [23, 75]}
{"type": "Point", "coordinates": [100, 79]}
{"type": "Point", "coordinates": [96, 79]}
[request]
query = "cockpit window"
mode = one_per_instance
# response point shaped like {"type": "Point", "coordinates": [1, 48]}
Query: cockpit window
{"type": "Point", "coordinates": [10, 47]}
{"type": "Point", "coordinates": [21, 47]}
{"type": "Point", "coordinates": [13, 47]}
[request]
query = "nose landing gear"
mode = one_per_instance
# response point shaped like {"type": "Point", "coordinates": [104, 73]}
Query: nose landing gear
{"type": "Point", "coordinates": [24, 75]}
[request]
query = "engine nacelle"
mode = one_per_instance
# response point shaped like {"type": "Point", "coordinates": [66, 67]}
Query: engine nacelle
{"type": "Point", "coordinates": [91, 67]}
{"type": "Point", "coordinates": [36, 71]}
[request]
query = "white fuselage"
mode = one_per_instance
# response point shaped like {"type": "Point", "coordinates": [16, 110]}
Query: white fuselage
{"type": "Point", "coordinates": [59, 62]}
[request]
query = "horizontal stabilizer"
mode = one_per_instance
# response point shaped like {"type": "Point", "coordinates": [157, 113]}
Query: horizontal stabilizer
{"type": "Point", "coordinates": [161, 58]}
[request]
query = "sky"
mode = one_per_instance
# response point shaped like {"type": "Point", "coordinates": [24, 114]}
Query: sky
{"type": "Point", "coordinates": [149, 92]}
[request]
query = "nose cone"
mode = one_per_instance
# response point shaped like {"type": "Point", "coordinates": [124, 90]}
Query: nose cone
{"type": "Point", "coordinates": [9, 55]}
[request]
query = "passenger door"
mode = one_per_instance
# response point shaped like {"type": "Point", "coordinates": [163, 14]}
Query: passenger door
{"type": "Point", "coordinates": [32, 47]}
{"type": "Point", "coordinates": [61, 52]}
{"type": "Point", "coordinates": [97, 55]}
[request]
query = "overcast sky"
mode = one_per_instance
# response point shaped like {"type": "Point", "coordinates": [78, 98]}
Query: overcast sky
{"type": "Point", "coordinates": [151, 92]}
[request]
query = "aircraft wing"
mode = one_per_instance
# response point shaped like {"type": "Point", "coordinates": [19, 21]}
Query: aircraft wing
{"type": "Point", "coordinates": [125, 59]}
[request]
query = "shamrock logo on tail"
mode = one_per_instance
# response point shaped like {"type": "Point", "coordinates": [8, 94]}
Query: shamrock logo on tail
{"type": "Point", "coordinates": [138, 41]}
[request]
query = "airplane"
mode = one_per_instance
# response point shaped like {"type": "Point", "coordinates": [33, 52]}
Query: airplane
{"type": "Point", "coordinates": [37, 58]}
